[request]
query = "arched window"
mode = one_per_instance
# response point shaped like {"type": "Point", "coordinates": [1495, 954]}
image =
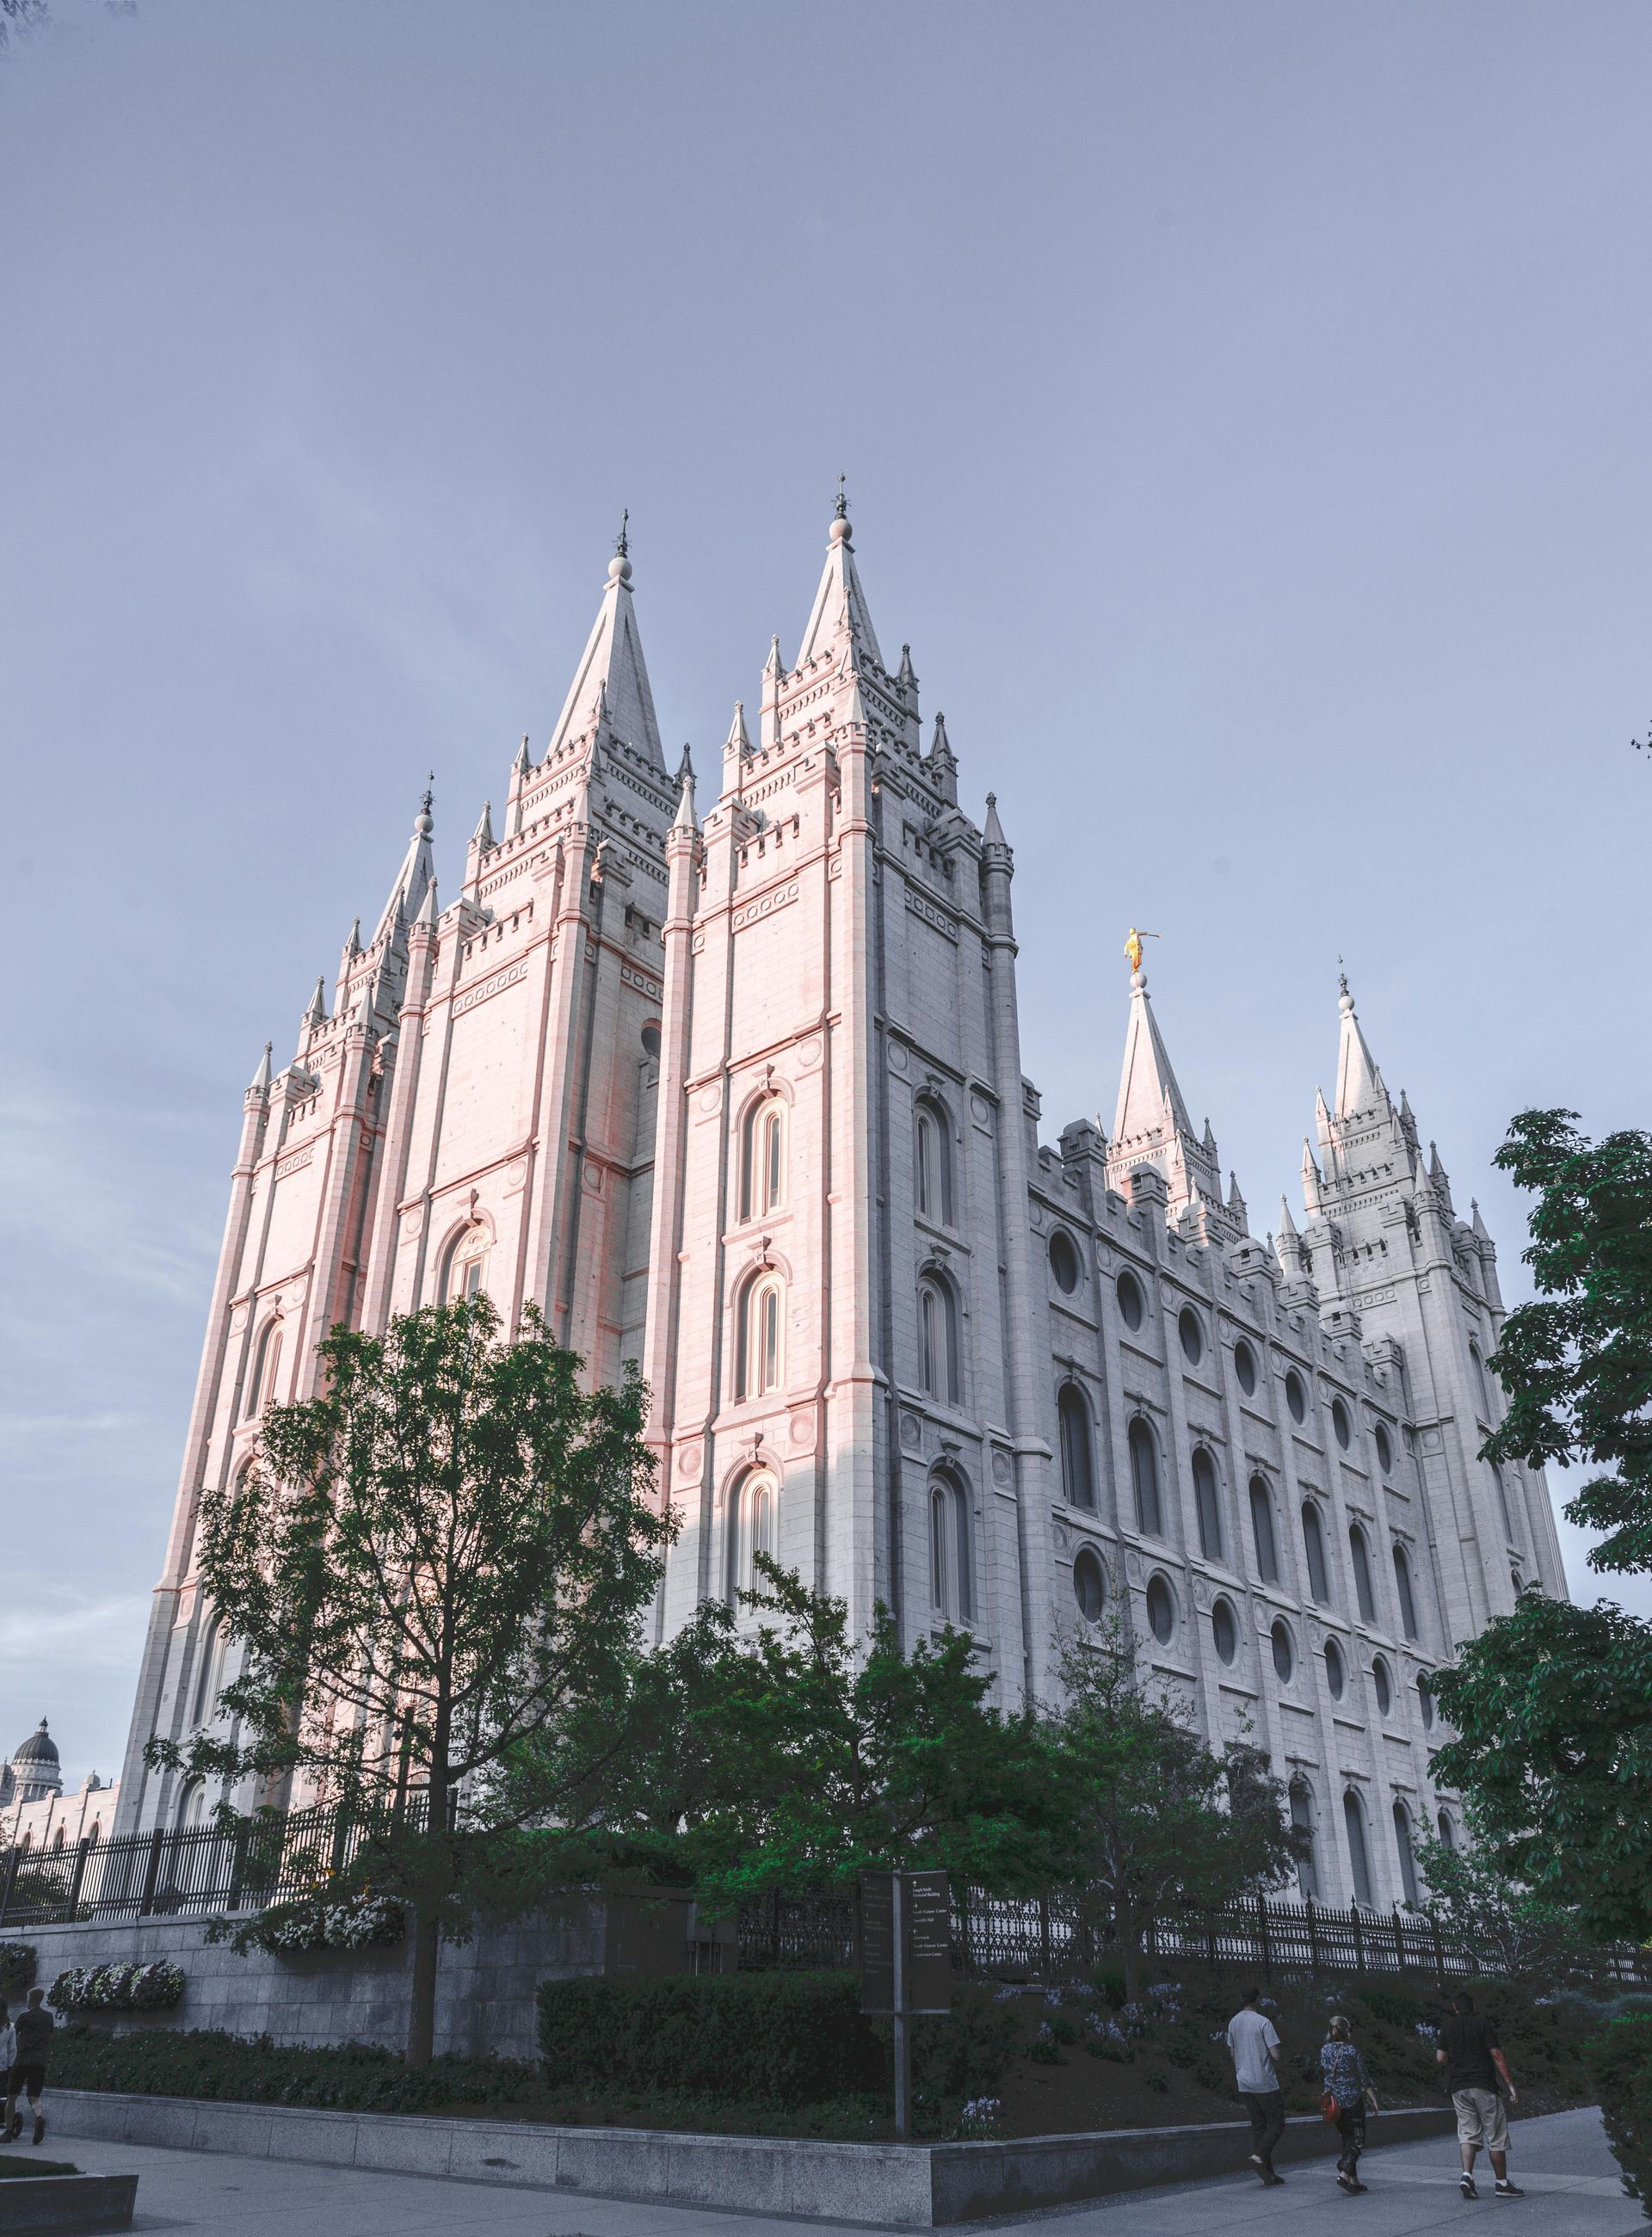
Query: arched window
{"type": "Point", "coordinates": [1426, 1701]}
{"type": "Point", "coordinates": [1207, 1503]}
{"type": "Point", "coordinates": [1073, 1420]}
{"type": "Point", "coordinates": [1262, 1536]}
{"type": "Point", "coordinates": [60, 1839]}
{"type": "Point", "coordinates": [750, 1531]}
{"type": "Point", "coordinates": [1384, 1686]}
{"type": "Point", "coordinates": [215, 1646]}
{"type": "Point", "coordinates": [1089, 1584]}
{"type": "Point", "coordinates": [1482, 1388]}
{"type": "Point", "coordinates": [1448, 1830]}
{"type": "Point", "coordinates": [938, 1338]}
{"type": "Point", "coordinates": [1245, 1366]}
{"type": "Point", "coordinates": [1353, 1818]}
{"type": "Point", "coordinates": [1302, 1818]}
{"type": "Point", "coordinates": [763, 1159]}
{"type": "Point", "coordinates": [1144, 1477]}
{"type": "Point", "coordinates": [1313, 1546]}
{"type": "Point", "coordinates": [760, 1347]}
{"type": "Point", "coordinates": [1403, 1587]}
{"type": "Point", "coordinates": [1364, 1591]}
{"type": "Point", "coordinates": [1403, 1848]}
{"type": "Point", "coordinates": [266, 1360]}
{"type": "Point", "coordinates": [949, 1563]}
{"type": "Point", "coordinates": [464, 1268]}
{"type": "Point", "coordinates": [1503, 1502]}
{"type": "Point", "coordinates": [932, 1159]}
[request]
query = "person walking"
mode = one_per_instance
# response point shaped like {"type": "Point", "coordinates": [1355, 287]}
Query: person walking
{"type": "Point", "coordinates": [1347, 2082]}
{"type": "Point", "coordinates": [32, 2032]}
{"type": "Point", "coordinates": [1474, 2065]}
{"type": "Point", "coordinates": [1254, 2041]}
{"type": "Point", "coordinates": [8, 2059]}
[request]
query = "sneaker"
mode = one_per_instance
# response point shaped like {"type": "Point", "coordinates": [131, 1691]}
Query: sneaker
{"type": "Point", "coordinates": [40, 2126]}
{"type": "Point", "coordinates": [1346, 2181]}
{"type": "Point", "coordinates": [1466, 2186]}
{"type": "Point", "coordinates": [1271, 2178]}
{"type": "Point", "coordinates": [1507, 2189]}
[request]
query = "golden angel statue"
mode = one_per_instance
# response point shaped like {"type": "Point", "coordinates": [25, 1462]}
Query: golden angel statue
{"type": "Point", "coordinates": [1132, 947]}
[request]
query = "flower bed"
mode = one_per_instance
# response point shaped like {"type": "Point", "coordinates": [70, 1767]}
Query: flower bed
{"type": "Point", "coordinates": [372, 1922]}
{"type": "Point", "coordinates": [157, 1988]}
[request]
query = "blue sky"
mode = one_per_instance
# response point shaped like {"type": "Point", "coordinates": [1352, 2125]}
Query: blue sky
{"type": "Point", "coordinates": [1244, 417]}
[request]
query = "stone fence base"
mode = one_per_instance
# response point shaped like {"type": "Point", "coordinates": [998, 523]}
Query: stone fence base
{"type": "Point", "coordinates": [886, 2186]}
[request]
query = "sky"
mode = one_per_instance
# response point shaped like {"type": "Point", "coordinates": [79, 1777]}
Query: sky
{"type": "Point", "coordinates": [1245, 416]}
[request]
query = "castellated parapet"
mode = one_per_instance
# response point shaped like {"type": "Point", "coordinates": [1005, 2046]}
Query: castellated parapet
{"type": "Point", "coordinates": [740, 1096]}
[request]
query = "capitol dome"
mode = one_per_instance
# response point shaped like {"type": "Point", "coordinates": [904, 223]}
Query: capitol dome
{"type": "Point", "coordinates": [35, 1766]}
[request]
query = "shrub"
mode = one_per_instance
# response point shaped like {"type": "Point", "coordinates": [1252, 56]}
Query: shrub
{"type": "Point", "coordinates": [1619, 2059]}
{"type": "Point", "coordinates": [791, 2038]}
{"type": "Point", "coordinates": [350, 2077]}
{"type": "Point", "coordinates": [366, 1922]}
{"type": "Point", "coordinates": [131, 1988]}
{"type": "Point", "coordinates": [16, 1968]}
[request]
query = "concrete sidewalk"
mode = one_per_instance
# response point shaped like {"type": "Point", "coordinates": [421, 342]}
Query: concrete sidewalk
{"type": "Point", "coordinates": [1562, 2162]}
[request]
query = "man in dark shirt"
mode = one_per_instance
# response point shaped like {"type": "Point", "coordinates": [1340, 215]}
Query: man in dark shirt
{"type": "Point", "coordinates": [33, 2030]}
{"type": "Point", "coordinates": [1474, 2064]}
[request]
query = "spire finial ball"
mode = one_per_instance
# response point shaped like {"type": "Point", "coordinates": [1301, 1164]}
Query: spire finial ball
{"type": "Point", "coordinates": [840, 529]}
{"type": "Point", "coordinates": [619, 568]}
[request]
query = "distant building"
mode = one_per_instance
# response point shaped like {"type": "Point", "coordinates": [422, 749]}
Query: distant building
{"type": "Point", "coordinates": [740, 1096]}
{"type": "Point", "coordinates": [33, 1808]}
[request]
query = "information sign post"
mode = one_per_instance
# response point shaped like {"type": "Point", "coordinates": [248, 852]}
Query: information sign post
{"type": "Point", "coordinates": [906, 1962]}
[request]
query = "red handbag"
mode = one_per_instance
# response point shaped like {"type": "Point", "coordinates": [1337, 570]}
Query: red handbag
{"type": "Point", "coordinates": [1329, 2108]}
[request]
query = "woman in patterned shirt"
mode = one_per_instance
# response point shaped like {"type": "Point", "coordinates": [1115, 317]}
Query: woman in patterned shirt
{"type": "Point", "coordinates": [1346, 2079]}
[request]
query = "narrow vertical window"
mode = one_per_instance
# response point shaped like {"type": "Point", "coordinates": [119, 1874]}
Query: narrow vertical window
{"type": "Point", "coordinates": [1403, 1849]}
{"type": "Point", "coordinates": [762, 1159]}
{"type": "Point", "coordinates": [750, 1532]}
{"type": "Point", "coordinates": [1313, 1546]}
{"type": "Point", "coordinates": [265, 1364]}
{"type": "Point", "coordinates": [934, 1160]}
{"type": "Point", "coordinates": [1208, 1504]}
{"type": "Point", "coordinates": [1267, 1550]}
{"type": "Point", "coordinates": [464, 1268]}
{"type": "Point", "coordinates": [938, 1340]}
{"type": "Point", "coordinates": [1403, 1588]}
{"type": "Point", "coordinates": [949, 1552]}
{"type": "Point", "coordinates": [1072, 1418]}
{"type": "Point", "coordinates": [1302, 1818]}
{"type": "Point", "coordinates": [1144, 1478]}
{"type": "Point", "coordinates": [760, 1341]}
{"type": "Point", "coordinates": [1353, 1818]}
{"type": "Point", "coordinates": [1365, 1591]}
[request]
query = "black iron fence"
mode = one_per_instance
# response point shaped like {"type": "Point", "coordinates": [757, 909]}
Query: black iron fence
{"type": "Point", "coordinates": [212, 1871]}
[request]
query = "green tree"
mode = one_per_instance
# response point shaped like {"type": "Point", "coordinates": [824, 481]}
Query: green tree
{"type": "Point", "coordinates": [1552, 1704]}
{"type": "Point", "coordinates": [1150, 1821]}
{"type": "Point", "coordinates": [1527, 1938]}
{"type": "Point", "coordinates": [1552, 1707]}
{"type": "Point", "coordinates": [427, 1564]}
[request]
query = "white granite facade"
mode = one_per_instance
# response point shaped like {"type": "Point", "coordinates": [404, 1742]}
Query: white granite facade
{"type": "Point", "coordinates": [744, 1099]}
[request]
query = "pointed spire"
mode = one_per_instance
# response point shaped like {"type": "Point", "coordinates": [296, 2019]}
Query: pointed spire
{"type": "Point", "coordinates": [315, 1012]}
{"type": "Point", "coordinates": [940, 744]}
{"type": "Point", "coordinates": [1235, 1198]}
{"type": "Point", "coordinates": [1210, 1138]}
{"type": "Point", "coordinates": [739, 740]}
{"type": "Point", "coordinates": [352, 945]}
{"type": "Point", "coordinates": [612, 672]}
{"type": "Point", "coordinates": [992, 830]}
{"type": "Point", "coordinates": [906, 674]}
{"type": "Point", "coordinates": [774, 666]}
{"type": "Point", "coordinates": [483, 835]}
{"type": "Point", "coordinates": [1476, 1223]}
{"type": "Point", "coordinates": [840, 623]}
{"type": "Point", "coordinates": [1287, 1225]}
{"type": "Point", "coordinates": [1150, 1102]}
{"type": "Point", "coordinates": [1359, 1085]}
{"type": "Point", "coordinates": [259, 1084]}
{"type": "Point", "coordinates": [418, 868]}
{"type": "Point", "coordinates": [1311, 1178]}
{"type": "Point", "coordinates": [429, 908]}
{"type": "Point", "coordinates": [523, 765]}
{"type": "Point", "coordinates": [683, 820]}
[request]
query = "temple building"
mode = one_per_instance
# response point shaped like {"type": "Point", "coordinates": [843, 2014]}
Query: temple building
{"type": "Point", "coordinates": [733, 1087]}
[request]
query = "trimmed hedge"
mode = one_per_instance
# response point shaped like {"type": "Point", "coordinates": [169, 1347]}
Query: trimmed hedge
{"type": "Point", "coordinates": [762, 2038]}
{"type": "Point", "coordinates": [16, 1968]}
{"type": "Point", "coordinates": [355, 2078]}
{"type": "Point", "coordinates": [1619, 2059]}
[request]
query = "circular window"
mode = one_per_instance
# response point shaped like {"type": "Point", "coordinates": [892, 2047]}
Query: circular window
{"type": "Point", "coordinates": [1223, 1630]}
{"type": "Point", "coordinates": [1131, 1302]}
{"type": "Point", "coordinates": [1341, 1424]}
{"type": "Point", "coordinates": [1244, 1366]}
{"type": "Point", "coordinates": [1284, 1654]}
{"type": "Point", "coordinates": [1295, 1397]}
{"type": "Point", "coordinates": [1336, 1676]}
{"type": "Point", "coordinates": [1064, 1262]}
{"type": "Point", "coordinates": [1380, 1680]}
{"type": "Point", "coordinates": [1192, 1336]}
{"type": "Point", "coordinates": [1384, 1447]}
{"type": "Point", "coordinates": [1426, 1701]}
{"type": "Point", "coordinates": [1161, 1610]}
{"type": "Point", "coordinates": [1089, 1583]}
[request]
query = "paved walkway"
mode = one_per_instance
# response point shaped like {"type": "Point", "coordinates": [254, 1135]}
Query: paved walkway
{"type": "Point", "coordinates": [1569, 2177]}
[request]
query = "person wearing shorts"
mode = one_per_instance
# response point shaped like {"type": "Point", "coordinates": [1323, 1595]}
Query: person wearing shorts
{"type": "Point", "coordinates": [1475, 2065]}
{"type": "Point", "coordinates": [33, 2032]}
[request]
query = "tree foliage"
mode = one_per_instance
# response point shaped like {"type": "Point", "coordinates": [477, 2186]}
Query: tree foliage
{"type": "Point", "coordinates": [1153, 1821]}
{"type": "Point", "coordinates": [427, 1566]}
{"type": "Point", "coordinates": [1468, 1895]}
{"type": "Point", "coordinates": [1575, 1362]}
{"type": "Point", "coordinates": [1552, 1707]}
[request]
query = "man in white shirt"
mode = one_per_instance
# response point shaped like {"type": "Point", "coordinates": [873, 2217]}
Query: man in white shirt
{"type": "Point", "coordinates": [1254, 2041]}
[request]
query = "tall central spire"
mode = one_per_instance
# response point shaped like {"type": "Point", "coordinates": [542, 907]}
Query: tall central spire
{"type": "Point", "coordinates": [839, 618]}
{"type": "Point", "coordinates": [1152, 1124]}
{"type": "Point", "coordinates": [612, 672]}
{"type": "Point", "coordinates": [1359, 1085]}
